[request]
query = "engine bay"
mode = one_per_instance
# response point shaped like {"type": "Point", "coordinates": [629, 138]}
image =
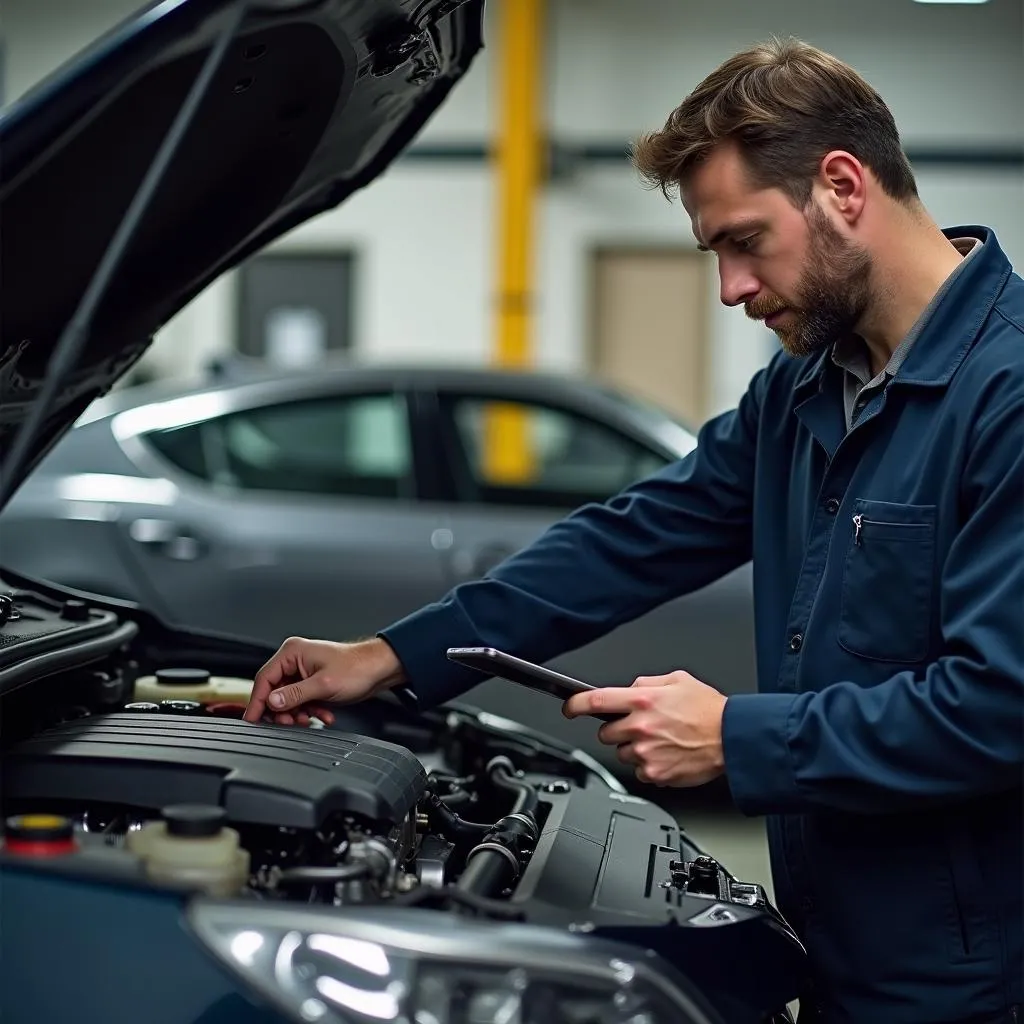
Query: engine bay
{"type": "Point", "coordinates": [447, 809]}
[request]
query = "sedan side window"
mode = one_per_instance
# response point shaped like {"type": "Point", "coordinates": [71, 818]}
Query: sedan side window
{"type": "Point", "coordinates": [356, 446]}
{"type": "Point", "coordinates": [529, 454]}
{"type": "Point", "coordinates": [185, 447]}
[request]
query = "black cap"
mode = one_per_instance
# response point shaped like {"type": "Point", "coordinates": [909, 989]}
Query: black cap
{"type": "Point", "coordinates": [38, 828]}
{"type": "Point", "coordinates": [194, 821]}
{"type": "Point", "coordinates": [182, 676]}
{"type": "Point", "coordinates": [74, 610]}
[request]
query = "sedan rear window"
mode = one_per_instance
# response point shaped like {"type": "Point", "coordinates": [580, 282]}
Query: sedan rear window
{"type": "Point", "coordinates": [521, 453]}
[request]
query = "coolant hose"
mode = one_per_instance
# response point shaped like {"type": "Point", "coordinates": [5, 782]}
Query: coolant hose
{"type": "Point", "coordinates": [502, 773]}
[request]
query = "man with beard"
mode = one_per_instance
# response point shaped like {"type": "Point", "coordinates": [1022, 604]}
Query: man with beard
{"type": "Point", "coordinates": [874, 472]}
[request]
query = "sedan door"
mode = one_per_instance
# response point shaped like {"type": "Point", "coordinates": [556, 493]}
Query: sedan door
{"type": "Point", "coordinates": [510, 491]}
{"type": "Point", "coordinates": [299, 517]}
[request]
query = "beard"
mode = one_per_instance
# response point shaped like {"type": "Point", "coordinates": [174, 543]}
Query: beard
{"type": "Point", "coordinates": [831, 296]}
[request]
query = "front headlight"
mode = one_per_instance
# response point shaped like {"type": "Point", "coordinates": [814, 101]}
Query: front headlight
{"type": "Point", "coordinates": [363, 965]}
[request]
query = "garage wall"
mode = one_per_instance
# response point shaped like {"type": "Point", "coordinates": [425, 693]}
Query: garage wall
{"type": "Point", "coordinates": [953, 75]}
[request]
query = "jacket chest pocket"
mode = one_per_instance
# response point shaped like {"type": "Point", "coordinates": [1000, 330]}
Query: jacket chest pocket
{"type": "Point", "coordinates": [887, 597]}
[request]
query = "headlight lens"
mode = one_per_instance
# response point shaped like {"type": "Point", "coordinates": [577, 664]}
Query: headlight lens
{"type": "Point", "coordinates": [423, 967]}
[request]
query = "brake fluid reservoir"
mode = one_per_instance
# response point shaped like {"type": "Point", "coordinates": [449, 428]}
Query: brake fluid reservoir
{"type": "Point", "coordinates": [193, 847]}
{"type": "Point", "coordinates": [192, 684]}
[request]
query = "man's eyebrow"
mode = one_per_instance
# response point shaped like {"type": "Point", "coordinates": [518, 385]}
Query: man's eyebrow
{"type": "Point", "coordinates": [750, 224]}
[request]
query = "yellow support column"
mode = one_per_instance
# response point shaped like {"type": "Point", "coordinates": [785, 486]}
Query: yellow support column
{"type": "Point", "coordinates": [518, 171]}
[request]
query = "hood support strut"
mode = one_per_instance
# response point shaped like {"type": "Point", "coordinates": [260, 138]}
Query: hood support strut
{"type": "Point", "coordinates": [75, 335]}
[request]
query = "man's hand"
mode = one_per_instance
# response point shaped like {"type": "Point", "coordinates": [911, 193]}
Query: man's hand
{"type": "Point", "coordinates": [305, 674]}
{"type": "Point", "coordinates": [672, 729]}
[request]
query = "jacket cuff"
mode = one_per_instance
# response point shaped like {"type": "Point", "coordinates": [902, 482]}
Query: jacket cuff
{"type": "Point", "coordinates": [421, 641]}
{"type": "Point", "coordinates": [755, 744]}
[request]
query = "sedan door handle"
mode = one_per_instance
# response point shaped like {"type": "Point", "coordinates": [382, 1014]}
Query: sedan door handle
{"type": "Point", "coordinates": [168, 537]}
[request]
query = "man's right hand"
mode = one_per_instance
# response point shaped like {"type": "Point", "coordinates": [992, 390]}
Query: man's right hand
{"type": "Point", "coordinates": [306, 674]}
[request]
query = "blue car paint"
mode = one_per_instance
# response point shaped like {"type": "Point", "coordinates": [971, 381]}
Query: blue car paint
{"type": "Point", "coordinates": [100, 952]}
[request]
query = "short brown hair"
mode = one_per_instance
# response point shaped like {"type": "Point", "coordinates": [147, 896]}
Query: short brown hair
{"type": "Point", "coordinates": [785, 104]}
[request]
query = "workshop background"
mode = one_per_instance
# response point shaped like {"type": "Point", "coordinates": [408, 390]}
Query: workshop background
{"type": "Point", "coordinates": [514, 232]}
{"type": "Point", "coordinates": [423, 259]}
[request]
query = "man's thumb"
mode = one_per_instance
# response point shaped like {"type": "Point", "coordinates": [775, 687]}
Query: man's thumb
{"type": "Point", "coordinates": [295, 694]}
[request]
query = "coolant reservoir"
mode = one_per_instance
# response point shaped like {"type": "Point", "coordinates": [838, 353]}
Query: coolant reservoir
{"type": "Point", "coordinates": [192, 684]}
{"type": "Point", "coordinates": [193, 847]}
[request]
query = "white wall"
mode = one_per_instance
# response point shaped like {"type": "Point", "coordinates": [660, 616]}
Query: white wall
{"type": "Point", "coordinates": [952, 74]}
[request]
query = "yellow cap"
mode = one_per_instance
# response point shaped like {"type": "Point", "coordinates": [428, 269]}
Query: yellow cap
{"type": "Point", "coordinates": [43, 822]}
{"type": "Point", "coordinates": [39, 828]}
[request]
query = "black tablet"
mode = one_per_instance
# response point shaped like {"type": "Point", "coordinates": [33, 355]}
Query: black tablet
{"type": "Point", "coordinates": [506, 666]}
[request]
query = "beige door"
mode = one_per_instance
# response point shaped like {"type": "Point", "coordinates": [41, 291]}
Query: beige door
{"type": "Point", "coordinates": [649, 326]}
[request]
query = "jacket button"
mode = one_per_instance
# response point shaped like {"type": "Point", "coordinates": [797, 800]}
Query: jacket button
{"type": "Point", "coordinates": [832, 506]}
{"type": "Point", "coordinates": [796, 641]}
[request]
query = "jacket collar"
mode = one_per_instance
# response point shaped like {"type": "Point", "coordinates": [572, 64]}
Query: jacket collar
{"type": "Point", "coordinates": [954, 326]}
{"type": "Point", "coordinates": [959, 316]}
{"type": "Point", "coordinates": [812, 377]}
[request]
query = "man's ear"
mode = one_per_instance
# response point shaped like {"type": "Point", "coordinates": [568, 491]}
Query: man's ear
{"type": "Point", "coordinates": [842, 181]}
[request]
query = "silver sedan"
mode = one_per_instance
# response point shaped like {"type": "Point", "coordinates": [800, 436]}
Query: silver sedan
{"type": "Point", "coordinates": [330, 503]}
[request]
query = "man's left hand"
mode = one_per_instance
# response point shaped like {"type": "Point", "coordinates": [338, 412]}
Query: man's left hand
{"type": "Point", "coordinates": [671, 730]}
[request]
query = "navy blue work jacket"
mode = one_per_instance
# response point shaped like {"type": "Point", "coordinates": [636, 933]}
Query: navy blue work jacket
{"type": "Point", "coordinates": [886, 744]}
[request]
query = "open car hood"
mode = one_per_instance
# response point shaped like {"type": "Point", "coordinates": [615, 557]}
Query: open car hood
{"type": "Point", "coordinates": [312, 100]}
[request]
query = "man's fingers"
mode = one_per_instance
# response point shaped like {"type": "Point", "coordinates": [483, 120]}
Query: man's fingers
{"type": "Point", "coordinates": [283, 665]}
{"type": "Point", "coordinates": [293, 695]}
{"type": "Point", "coordinates": [325, 714]}
{"type": "Point", "coordinates": [615, 733]}
{"type": "Point", "coordinates": [627, 754]}
{"type": "Point", "coordinates": [257, 706]}
{"type": "Point", "coordinates": [654, 680]}
{"type": "Point", "coordinates": [304, 716]}
{"type": "Point", "coordinates": [608, 700]}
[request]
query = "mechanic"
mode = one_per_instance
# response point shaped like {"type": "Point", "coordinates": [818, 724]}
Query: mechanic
{"type": "Point", "coordinates": [874, 472]}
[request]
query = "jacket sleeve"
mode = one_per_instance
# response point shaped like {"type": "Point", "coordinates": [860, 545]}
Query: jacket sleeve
{"type": "Point", "coordinates": [953, 731]}
{"type": "Point", "coordinates": [601, 566]}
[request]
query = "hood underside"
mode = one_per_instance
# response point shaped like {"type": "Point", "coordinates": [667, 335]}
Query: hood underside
{"type": "Point", "coordinates": [311, 101]}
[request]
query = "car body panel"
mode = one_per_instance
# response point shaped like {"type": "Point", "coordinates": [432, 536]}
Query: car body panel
{"type": "Point", "coordinates": [161, 977]}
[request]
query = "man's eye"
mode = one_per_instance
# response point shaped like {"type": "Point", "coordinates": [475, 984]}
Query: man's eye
{"type": "Point", "coordinates": [747, 244]}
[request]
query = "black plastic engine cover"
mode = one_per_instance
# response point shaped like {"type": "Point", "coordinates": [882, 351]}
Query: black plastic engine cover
{"type": "Point", "coordinates": [261, 775]}
{"type": "Point", "coordinates": [602, 865]}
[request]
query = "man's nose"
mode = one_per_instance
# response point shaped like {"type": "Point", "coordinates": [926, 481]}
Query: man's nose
{"type": "Point", "coordinates": [737, 286]}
